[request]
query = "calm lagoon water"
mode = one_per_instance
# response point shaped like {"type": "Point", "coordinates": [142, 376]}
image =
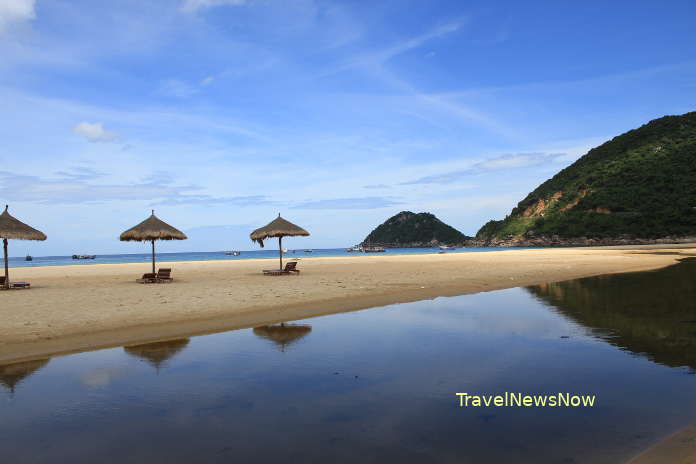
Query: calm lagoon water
{"type": "Point", "coordinates": [379, 385]}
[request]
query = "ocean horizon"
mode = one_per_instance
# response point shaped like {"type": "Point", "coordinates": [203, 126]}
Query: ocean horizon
{"type": "Point", "coordinates": [267, 253]}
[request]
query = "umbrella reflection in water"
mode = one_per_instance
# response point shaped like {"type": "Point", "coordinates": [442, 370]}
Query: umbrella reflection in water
{"type": "Point", "coordinates": [158, 353]}
{"type": "Point", "coordinates": [283, 335]}
{"type": "Point", "coordinates": [13, 374]}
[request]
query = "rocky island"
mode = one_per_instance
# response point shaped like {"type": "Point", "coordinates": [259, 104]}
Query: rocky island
{"type": "Point", "coordinates": [414, 230]}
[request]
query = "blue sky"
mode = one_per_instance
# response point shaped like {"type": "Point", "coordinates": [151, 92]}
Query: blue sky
{"type": "Point", "coordinates": [338, 114]}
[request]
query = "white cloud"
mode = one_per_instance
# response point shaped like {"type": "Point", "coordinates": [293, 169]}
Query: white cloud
{"type": "Point", "coordinates": [195, 5]}
{"type": "Point", "coordinates": [94, 132]}
{"type": "Point", "coordinates": [12, 11]}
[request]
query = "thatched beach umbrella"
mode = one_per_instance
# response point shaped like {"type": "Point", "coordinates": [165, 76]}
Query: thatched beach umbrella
{"type": "Point", "coordinates": [151, 229]}
{"type": "Point", "coordinates": [283, 334]}
{"type": "Point", "coordinates": [280, 228]}
{"type": "Point", "coordinates": [11, 228]}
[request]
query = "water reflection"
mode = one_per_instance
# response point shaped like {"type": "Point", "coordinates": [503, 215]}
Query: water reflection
{"type": "Point", "coordinates": [13, 374]}
{"type": "Point", "coordinates": [283, 335]}
{"type": "Point", "coordinates": [651, 313]}
{"type": "Point", "coordinates": [158, 353]}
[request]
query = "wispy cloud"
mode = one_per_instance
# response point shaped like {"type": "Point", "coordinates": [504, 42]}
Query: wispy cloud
{"type": "Point", "coordinates": [77, 185]}
{"type": "Point", "coordinates": [350, 203]}
{"type": "Point", "coordinates": [376, 65]}
{"type": "Point", "coordinates": [76, 189]}
{"type": "Point", "coordinates": [80, 173]}
{"type": "Point", "coordinates": [176, 88]}
{"type": "Point", "coordinates": [195, 5]}
{"type": "Point", "coordinates": [377, 186]}
{"type": "Point", "coordinates": [207, 200]}
{"type": "Point", "coordinates": [13, 11]}
{"type": "Point", "coordinates": [94, 132]}
{"type": "Point", "coordinates": [500, 163]}
{"type": "Point", "coordinates": [378, 58]}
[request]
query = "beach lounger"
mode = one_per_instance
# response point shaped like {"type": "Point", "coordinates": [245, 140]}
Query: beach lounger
{"type": "Point", "coordinates": [148, 278]}
{"type": "Point", "coordinates": [14, 284]}
{"type": "Point", "coordinates": [164, 274]}
{"type": "Point", "coordinates": [289, 269]}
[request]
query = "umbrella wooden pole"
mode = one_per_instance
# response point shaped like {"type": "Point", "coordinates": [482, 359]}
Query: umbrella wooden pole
{"type": "Point", "coordinates": [280, 251]}
{"type": "Point", "coordinates": [153, 256]}
{"type": "Point", "coordinates": [7, 269]}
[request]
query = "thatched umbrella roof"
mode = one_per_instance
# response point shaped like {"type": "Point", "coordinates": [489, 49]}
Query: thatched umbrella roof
{"type": "Point", "coordinates": [13, 374]}
{"type": "Point", "coordinates": [157, 353]}
{"type": "Point", "coordinates": [15, 229]}
{"type": "Point", "coordinates": [278, 227]}
{"type": "Point", "coordinates": [12, 228]}
{"type": "Point", "coordinates": [152, 228]}
{"type": "Point", "coordinates": [283, 334]}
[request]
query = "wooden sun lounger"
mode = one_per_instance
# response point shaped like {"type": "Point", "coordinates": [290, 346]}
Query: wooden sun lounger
{"type": "Point", "coordinates": [148, 278]}
{"type": "Point", "coordinates": [14, 284]}
{"type": "Point", "coordinates": [164, 274]}
{"type": "Point", "coordinates": [289, 269]}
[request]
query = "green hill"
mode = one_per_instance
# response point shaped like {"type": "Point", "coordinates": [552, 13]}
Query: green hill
{"type": "Point", "coordinates": [411, 230]}
{"type": "Point", "coordinates": [641, 184]}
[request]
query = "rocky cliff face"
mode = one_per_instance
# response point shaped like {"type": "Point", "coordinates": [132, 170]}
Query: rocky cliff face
{"type": "Point", "coordinates": [555, 240]}
{"type": "Point", "coordinates": [411, 230]}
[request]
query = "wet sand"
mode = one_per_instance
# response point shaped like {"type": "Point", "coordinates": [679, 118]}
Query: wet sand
{"type": "Point", "coordinates": [75, 308]}
{"type": "Point", "coordinates": [679, 448]}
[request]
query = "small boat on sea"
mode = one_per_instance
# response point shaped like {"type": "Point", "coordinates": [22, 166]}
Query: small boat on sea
{"type": "Point", "coordinates": [355, 248]}
{"type": "Point", "coordinates": [28, 258]}
{"type": "Point", "coordinates": [445, 247]}
{"type": "Point", "coordinates": [374, 249]}
{"type": "Point", "coordinates": [308, 251]}
{"type": "Point", "coordinates": [233, 253]}
{"type": "Point", "coordinates": [84, 256]}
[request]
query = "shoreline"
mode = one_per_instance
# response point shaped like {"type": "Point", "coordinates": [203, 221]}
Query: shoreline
{"type": "Point", "coordinates": [77, 308]}
{"type": "Point", "coordinates": [18, 262]}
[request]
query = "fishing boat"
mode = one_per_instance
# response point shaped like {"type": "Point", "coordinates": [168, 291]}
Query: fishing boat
{"type": "Point", "coordinates": [355, 248]}
{"type": "Point", "coordinates": [84, 256]}
{"type": "Point", "coordinates": [374, 249]}
{"type": "Point", "coordinates": [445, 247]}
{"type": "Point", "coordinates": [308, 251]}
{"type": "Point", "coordinates": [233, 253]}
{"type": "Point", "coordinates": [28, 258]}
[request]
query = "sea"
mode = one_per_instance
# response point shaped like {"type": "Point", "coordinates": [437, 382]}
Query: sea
{"type": "Point", "coordinates": [268, 253]}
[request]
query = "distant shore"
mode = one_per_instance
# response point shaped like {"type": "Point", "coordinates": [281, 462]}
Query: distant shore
{"type": "Point", "coordinates": [75, 308]}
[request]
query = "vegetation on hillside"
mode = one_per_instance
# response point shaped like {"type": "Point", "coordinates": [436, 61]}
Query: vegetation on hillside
{"type": "Point", "coordinates": [641, 183]}
{"type": "Point", "coordinates": [411, 229]}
